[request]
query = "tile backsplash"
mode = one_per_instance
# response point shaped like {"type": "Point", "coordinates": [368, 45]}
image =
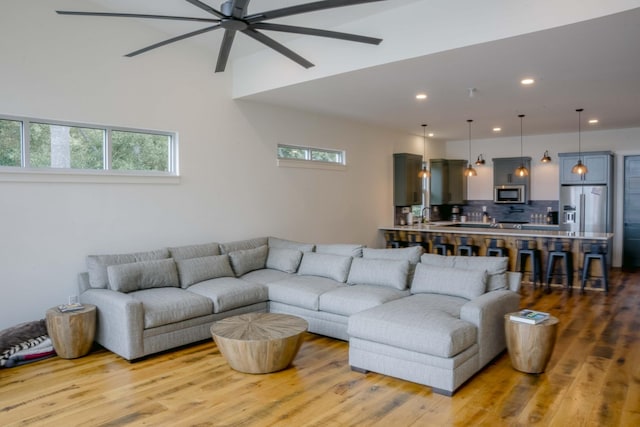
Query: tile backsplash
{"type": "Point", "coordinates": [510, 212]}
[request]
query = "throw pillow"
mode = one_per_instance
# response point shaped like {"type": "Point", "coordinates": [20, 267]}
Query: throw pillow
{"type": "Point", "coordinates": [195, 270]}
{"type": "Point", "coordinates": [334, 267]}
{"type": "Point", "coordinates": [286, 260]}
{"type": "Point", "coordinates": [467, 284]}
{"type": "Point", "coordinates": [275, 242]}
{"type": "Point", "coordinates": [97, 264]}
{"type": "Point", "coordinates": [496, 268]}
{"type": "Point", "coordinates": [143, 275]}
{"type": "Point", "coordinates": [246, 260]}
{"type": "Point", "coordinates": [381, 272]}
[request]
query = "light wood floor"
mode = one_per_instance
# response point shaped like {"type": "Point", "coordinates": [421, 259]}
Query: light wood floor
{"type": "Point", "coordinates": [593, 379]}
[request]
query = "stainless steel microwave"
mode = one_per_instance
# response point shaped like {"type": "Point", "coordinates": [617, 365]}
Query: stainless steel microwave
{"type": "Point", "coordinates": [509, 194]}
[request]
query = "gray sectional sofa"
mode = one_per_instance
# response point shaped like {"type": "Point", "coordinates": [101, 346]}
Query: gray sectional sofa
{"type": "Point", "coordinates": [425, 318]}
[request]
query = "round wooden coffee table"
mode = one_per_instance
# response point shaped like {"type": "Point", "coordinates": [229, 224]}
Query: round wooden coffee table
{"type": "Point", "coordinates": [259, 343]}
{"type": "Point", "coordinates": [530, 345]}
{"type": "Point", "coordinates": [72, 332]}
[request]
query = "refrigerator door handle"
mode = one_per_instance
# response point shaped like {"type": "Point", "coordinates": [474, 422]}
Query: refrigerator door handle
{"type": "Point", "coordinates": [582, 214]}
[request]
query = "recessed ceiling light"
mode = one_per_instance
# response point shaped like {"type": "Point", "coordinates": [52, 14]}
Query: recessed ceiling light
{"type": "Point", "coordinates": [431, 134]}
{"type": "Point", "coordinates": [421, 96]}
{"type": "Point", "coordinates": [527, 81]}
{"type": "Point", "coordinates": [593, 121]}
{"type": "Point", "coordinates": [497, 129]}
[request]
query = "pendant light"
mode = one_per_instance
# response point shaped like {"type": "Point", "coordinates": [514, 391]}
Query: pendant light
{"type": "Point", "coordinates": [470, 171]}
{"type": "Point", "coordinates": [521, 170]}
{"type": "Point", "coordinates": [579, 168]}
{"type": "Point", "coordinates": [424, 172]}
{"type": "Point", "coordinates": [545, 157]}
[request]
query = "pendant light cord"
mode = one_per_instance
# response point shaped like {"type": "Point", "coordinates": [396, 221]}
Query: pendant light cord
{"type": "Point", "coordinates": [469, 121]}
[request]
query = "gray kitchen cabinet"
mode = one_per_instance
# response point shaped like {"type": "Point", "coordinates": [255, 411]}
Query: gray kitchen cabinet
{"type": "Point", "coordinates": [599, 167]}
{"type": "Point", "coordinates": [448, 184]}
{"type": "Point", "coordinates": [504, 171]}
{"type": "Point", "coordinates": [407, 186]}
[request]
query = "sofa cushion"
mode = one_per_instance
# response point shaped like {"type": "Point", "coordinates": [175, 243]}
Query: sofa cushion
{"type": "Point", "coordinates": [286, 260]}
{"type": "Point", "coordinates": [275, 242]}
{"type": "Point", "coordinates": [437, 260]}
{"type": "Point", "coordinates": [347, 300]}
{"type": "Point", "coordinates": [381, 272]}
{"type": "Point", "coordinates": [411, 254]}
{"type": "Point", "coordinates": [340, 249]}
{"type": "Point", "coordinates": [163, 306]}
{"type": "Point", "coordinates": [401, 323]}
{"type": "Point", "coordinates": [301, 291]}
{"type": "Point", "coordinates": [264, 276]}
{"type": "Point", "coordinates": [467, 284]}
{"type": "Point", "coordinates": [97, 264]}
{"type": "Point", "coordinates": [239, 245]}
{"type": "Point", "coordinates": [195, 251]}
{"type": "Point", "coordinates": [143, 275]}
{"type": "Point", "coordinates": [194, 270]}
{"type": "Point", "coordinates": [496, 268]}
{"type": "Point", "coordinates": [228, 293]}
{"type": "Point", "coordinates": [246, 260]}
{"type": "Point", "coordinates": [331, 266]}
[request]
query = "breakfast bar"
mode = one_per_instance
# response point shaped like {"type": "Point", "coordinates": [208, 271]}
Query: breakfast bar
{"type": "Point", "coordinates": [546, 240]}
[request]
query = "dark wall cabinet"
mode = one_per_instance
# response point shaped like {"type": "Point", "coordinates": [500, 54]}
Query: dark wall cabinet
{"type": "Point", "coordinates": [448, 184]}
{"type": "Point", "coordinates": [407, 186]}
{"type": "Point", "coordinates": [504, 171]}
{"type": "Point", "coordinates": [599, 165]}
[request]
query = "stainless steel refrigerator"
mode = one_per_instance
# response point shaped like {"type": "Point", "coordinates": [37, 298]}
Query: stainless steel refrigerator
{"type": "Point", "coordinates": [585, 208]}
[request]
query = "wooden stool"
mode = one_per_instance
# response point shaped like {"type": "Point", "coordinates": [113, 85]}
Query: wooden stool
{"type": "Point", "coordinates": [466, 247]}
{"type": "Point", "coordinates": [597, 252]}
{"type": "Point", "coordinates": [528, 248]}
{"type": "Point", "coordinates": [557, 252]}
{"type": "Point", "coordinates": [496, 247]}
{"type": "Point", "coordinates": [530, 346]}
{"type": "Point", "coordinates": [72, 332]}
{"type": "Point", "coordinates": [441, 246]}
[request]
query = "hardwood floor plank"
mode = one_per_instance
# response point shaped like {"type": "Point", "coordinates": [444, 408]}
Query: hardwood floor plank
{"type": "Point", "coordinates": [592, 379]}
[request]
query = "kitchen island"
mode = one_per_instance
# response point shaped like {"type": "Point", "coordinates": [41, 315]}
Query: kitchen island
{"type": "Point", "coordinates": [509, 236]}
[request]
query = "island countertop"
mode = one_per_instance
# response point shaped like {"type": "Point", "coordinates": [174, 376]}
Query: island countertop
{"type": "Point", "coordinates": [452, 227]}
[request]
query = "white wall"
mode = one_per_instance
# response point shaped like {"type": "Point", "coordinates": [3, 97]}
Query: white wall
{"type": "Point", "coordinates": [545, 176]}
{"type": "Point", "coordinates": [230, 186]}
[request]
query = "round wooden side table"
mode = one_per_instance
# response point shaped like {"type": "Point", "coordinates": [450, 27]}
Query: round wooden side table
{"type": "Point", "coordinates": [530, 345]}
{"type": "Point", "coordinates": [259, 343]}
{"type": "Point", "coordinates": [72, 332]}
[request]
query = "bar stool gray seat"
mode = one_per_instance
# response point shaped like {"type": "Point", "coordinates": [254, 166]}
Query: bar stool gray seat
{"type": "Point", "coordinates": [529, 248]}
{"type": "Point", "coordinates": [496, 247]}
{"type": "Point", "coordinates": [466, 247]}
{"type": "Point", "coordinates": [559, 252]}
{"type": "Point", "coordinates": [442, 246]}
{"type": "Point", "coordinates": [597, 252]}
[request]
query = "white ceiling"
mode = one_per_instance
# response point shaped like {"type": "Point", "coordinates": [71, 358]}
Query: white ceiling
{"type": "Point", "coordinates": [593, 65]}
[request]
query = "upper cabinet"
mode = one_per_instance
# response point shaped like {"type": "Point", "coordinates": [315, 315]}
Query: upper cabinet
{"type": "Point", "coordinates": [504, 171]}
{"type": "Point", "coordinates": [407, 186]}
{"type": "Point", "coordinates": [599, 167]}
{"type": "Point", "coordinates": [448, 184]}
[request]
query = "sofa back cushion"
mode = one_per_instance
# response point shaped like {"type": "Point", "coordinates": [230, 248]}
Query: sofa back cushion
{"type": "Point", "coordinates": [331, 266]}
{"type": "Point", "coordinates": [97, 264]}
{"type": "Point", "coordinates": [456, 282]}
{"type": "Point", "coordinates": [411, 254]}
{"type": "Point", "coordinates": [136, 276]}
{"type": "Point", "coordinates": [194, 251]}
{"type": "Point", "coordinates": [380, 272]}
{"type": "Point", "coordinates": [437, 260]}
{"type": "Point", "coordinates": [275, 242]}
{"type": "Point", "coordinates": [344, 249]}
{"type": "Point", "coordinates": [240, 245]}
{"type": "Point", "coordinates": [246, 260]}
{"type": "Point", "coordinates": [287, 260]}
{"type": "Point", "coordinates": [496, 267]}
{"type": "Point", "coordinates": [195, 270]}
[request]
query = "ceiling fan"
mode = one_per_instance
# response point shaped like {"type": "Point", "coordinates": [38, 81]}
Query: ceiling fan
{"type": "Point", "coordinates": [232, 17]}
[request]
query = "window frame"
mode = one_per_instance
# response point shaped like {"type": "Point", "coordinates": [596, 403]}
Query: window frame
{"type": "Point", "coordinates": [308, 161]}
{"type": "Point", "coordinates": [25, 173]}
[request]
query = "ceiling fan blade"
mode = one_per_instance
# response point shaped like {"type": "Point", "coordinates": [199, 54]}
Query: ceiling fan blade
{"type": "Point", "coordinates": [173, 39]}
{"type": "Point", "coordinates": [303, 8]}
{"type": "Point", "coordinates": [135, 15]}
{"type": "Point", "coordinates": [315, 32]}
{"type": "Point", "coordinates": [268, 41]}
{"type": "Point", "coordinates": [206, 8]}
{"type": "Point", "coordinates": [225, 48]}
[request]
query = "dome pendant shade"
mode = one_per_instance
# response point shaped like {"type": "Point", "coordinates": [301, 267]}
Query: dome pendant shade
{"type": "Point", "coordinates": [470, 171]}
{"type": "Point", "coordinates": [424, 173]}
{"type": "Point", "coordinates": [522, 171]}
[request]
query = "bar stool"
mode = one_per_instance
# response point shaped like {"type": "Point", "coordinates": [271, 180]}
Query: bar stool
{"type": "Point", "coordinates": [392, 239]}
{"type": "Point", "coordinates": [596, 252]}
{"type": "Point", "coordinates": [466, 247]}
{"type": "Point", "coordinates": [441, 246]}
{"type": "Point", "coordinates": [557, 252]}
{"type": "Point", "coordinates": [416, 239]}
{"type": "Point", "coordinates": [496, 247]}
{"type": "Point", "coordinates": [528, 248]}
